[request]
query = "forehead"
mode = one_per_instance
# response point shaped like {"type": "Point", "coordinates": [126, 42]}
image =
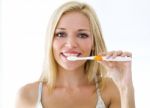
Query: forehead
{"type": "Point", "coordinates": [74, 19]}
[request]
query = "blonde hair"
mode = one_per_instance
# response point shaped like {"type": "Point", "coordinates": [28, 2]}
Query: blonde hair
{"type": "Point", "coordinates": [92, 68]}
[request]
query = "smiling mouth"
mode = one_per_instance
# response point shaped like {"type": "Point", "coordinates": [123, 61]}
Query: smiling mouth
{"type": "Point", "coordinates": [70, 54]}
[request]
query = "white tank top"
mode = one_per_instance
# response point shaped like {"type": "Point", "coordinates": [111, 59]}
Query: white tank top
{"type": "Point", "coordinates": [100, 102]}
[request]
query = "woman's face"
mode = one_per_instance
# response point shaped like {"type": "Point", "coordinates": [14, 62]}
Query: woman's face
{"type": "Point", "coordinates": [72, 38]}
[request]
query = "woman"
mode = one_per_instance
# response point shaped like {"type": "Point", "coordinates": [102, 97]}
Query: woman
{"type": "Point", "coordinates": [74, 30]}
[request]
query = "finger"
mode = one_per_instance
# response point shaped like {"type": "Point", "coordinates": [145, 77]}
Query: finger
{"type": "Point", "coordinates": [109, 54]}
{"type": "Point", "coordinates": [102, 54]}
{"type": "Point", "coordinates": [127, 54]}
{"type": "Point", "coordinates": [117, 53]}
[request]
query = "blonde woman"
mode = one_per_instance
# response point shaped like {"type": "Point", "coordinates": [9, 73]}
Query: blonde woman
{"type": "Point", "coordinates": [74, 30]}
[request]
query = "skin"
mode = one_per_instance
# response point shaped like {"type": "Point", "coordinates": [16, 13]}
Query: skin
{"type": "Point", "coordinates": [121, 74]}
{"type": "Point", "coordinates": [73, 90]}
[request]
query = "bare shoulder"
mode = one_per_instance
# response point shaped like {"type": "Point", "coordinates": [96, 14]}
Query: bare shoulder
{"type": "Point", "coordinates": [109, 84]}
{"type": "Point", "coordinates": [27, 95]}
{"type": "Point", "coordinates": [111, 93]}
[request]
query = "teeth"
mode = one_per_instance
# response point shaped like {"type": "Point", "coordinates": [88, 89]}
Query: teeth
{"type": "Point", "coordinates": [68, 54]}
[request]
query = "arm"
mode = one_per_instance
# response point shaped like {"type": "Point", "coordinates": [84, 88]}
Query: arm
{"type": "Point", "coordinates": [126, 88]}
{"type": "Point", "coordinates": [121, 74]}
{"type": "Point", "coordinates": [127, 95]}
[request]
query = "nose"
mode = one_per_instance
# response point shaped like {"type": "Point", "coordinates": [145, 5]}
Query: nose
{"type": "Point", "coordinates": [71, 42]}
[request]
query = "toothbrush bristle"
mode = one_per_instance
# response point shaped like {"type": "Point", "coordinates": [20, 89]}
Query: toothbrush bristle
{"type": "Point", "coordinates": [72, 58]}
{"type": "Point", "coordinates": [98, 58]}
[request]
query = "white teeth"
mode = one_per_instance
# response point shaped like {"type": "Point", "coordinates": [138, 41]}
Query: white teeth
{"type": "Point", "coordinates": [69, 54]}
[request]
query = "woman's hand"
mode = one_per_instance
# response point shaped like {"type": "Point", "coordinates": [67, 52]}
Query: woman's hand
{"type": "Point", "coordinates": [120, 71]}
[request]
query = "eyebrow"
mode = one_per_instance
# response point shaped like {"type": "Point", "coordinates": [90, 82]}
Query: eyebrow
{"type": "Point", "coordinates": [61, 28]}
{"type": "Point", "coordinates": [83, 30]}
{"type": "Point", "coordinates": [78, 29]}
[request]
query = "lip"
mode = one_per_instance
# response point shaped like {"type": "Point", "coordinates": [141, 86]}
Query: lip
{"type": "Point", "coordinates": [66, 54]}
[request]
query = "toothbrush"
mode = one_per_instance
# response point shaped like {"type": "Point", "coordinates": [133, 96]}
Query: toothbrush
{"type": "Point", "coordinates": [99, 58]}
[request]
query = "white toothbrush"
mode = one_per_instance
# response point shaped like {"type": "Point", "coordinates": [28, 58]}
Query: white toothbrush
{"type": "Point", "coordinates": [99, 58]}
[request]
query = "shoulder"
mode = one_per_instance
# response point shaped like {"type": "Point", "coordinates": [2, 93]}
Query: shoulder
{"type": "Point", "coordinates": [111, 93]}
{"type": "Point", "coordinates": [27, 95]}
{"type": "Point", "coordinates": [111, 86]}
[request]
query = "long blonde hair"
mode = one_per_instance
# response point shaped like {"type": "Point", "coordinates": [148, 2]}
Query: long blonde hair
{"type": "Point", "coordinates": [92, 68]}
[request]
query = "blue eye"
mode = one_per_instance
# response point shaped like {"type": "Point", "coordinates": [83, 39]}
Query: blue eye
{"type": "Point", "coordinates": [83, 35]}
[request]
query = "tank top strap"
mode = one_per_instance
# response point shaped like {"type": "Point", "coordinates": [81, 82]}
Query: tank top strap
{"type": "Point", "coordinates": [40, 87]}
{"type": "Point", "coordinates": [97, 86]}
{"type": "Point", "coordinates": [100, 102]}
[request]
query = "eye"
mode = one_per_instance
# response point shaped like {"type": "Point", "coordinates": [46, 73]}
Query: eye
{"type": "Point", "coordinates": [60, 34]}
{"type": "Point", "coordinates": [83, 35]}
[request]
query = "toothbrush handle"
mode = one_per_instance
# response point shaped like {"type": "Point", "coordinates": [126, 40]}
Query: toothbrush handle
{"type": "Point", "coordinates": [84, 58]}
{"type": "Point", "coordinates": [117, 59]}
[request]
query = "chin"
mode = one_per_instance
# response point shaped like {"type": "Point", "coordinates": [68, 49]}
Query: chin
{"type": "Point", "coordinates": [72, 67]}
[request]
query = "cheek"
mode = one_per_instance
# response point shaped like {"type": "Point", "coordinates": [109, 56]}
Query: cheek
{"type": "Point", "coordinates": [56, 47]}
{"type": "Point", "coordinates": [87, 47]}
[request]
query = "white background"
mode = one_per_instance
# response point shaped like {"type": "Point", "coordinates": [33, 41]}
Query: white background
{"type": "Point", "coordinates": [125, 26]}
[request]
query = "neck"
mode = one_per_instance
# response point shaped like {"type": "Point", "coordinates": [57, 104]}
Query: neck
{"type": "Point", "coordinates": [71, 78]}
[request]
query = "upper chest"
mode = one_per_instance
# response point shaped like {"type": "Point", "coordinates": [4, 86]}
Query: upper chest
{"type": "Point", "coordinates": [83, 98]}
